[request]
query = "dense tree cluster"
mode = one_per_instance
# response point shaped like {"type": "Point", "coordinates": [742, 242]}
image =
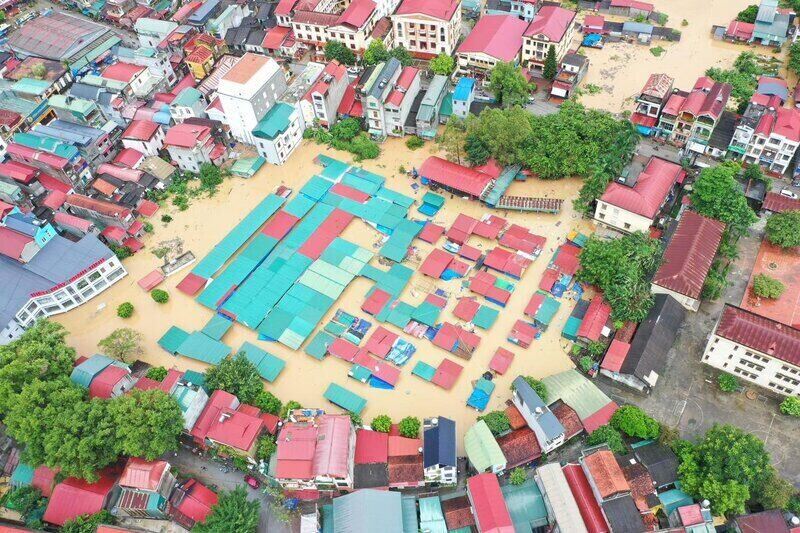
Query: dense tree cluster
{"type": "Point", "coordinates": [232, 512]}
{"type": "Point", "coordinates": [783, 229]}
{"type": "Point", "coordinates": [742, 76]}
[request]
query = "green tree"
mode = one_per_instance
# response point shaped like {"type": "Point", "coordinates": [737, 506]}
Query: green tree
{"type": "Point", "coordinates": [504, 132]}
{"type": "Point", "coordinates": [748, 14]}
{"type": "Point", "coordinates": [24, 500]}
{"type": "Point", "coordinates": [727, 382]}
{"type": "Point", "coordinates": [793, 64]}
{"type": "Point", "coordinates": [402, 55]}
{"type": "Point", "coordinates": [477, 151]}
{"type": "Point", "coordinates": [767, 287]}
{"type": "Point", "coordinates": [88, 523]}
{"type": "Point", "coordinates": [609, 436]}
{"type": "Point", "coordinates": [39, 71]}
{"type": "Point", "coordinates": [743, 77]}
{"type": "Point", "coordinates": [550, 65]}
{"type": "Point", "coordinates": [586, 363]}
{"type": "Point", "coordinates": [337, 51]}
{"type": "Point", "coordinates": [210, 177]}
{"type": "Point", "coordinates": [717, 194]}
{"type": "Point", "coordinates": [791, 406]}
{"type": "Point", "coordinates": [268, 402]}
{"type": "Point", "coordinates": [122, 252]}
{"type": "Point", "coordinates": [148, 423]}
{"type": "Point", "coordinates": [753, 172]}
{"type": "Point", "coordinates": [452, 139]}
{"type": "Point", "coordinates": [783, 229]}
{"type": "Point", "coordinates": [265, 448]}
{"type": "Point", "coordinates": [232, 512]}
{"type": "Point", "coordinates": [159, 296]}
{"type": "Point", "coordinates": [777, 492]}
{"type": "Point", "coordinates": [362, 147]}
{"type": "Point", "coordinates": [290, 406]}
{"type": "Point", "coordinates": [375, 52]}
{"type": "Point", "coordinates": [382, 423]}
{"type": "Point", "coordinates": [41, 353]}
{"type": "Point", "coordinates": [409, 427]}
{"type": "Point", "coordinates": [443, 64]}
{"type": "Point", "coordinates": [122, 344]}
{"type": "Point", "coordinates": [497, 421]}
{"type": "Point", "coordinates": [508, 84]}
{"type": "Point", "coordinates": [518, 476]}
{"type": "Point", "coordinates": [236, 375]}
{"type": "Point", "coordinates": [157, 373]}
{"type": "Point", "coordinates": [415, 143]}
{"type": "Point", "coordinates": [727, 467]}
{"type": "Point", "coordinates": [634, 422]}
{"type": "Point", "coordinates": [346, 130]}
{"type": "Point", "coordinates": [125, 310]}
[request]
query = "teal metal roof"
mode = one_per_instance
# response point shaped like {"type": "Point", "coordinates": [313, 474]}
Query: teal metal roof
{"type": "Point", "coordinates": [247, 166]}
{"type": "Point", "coordinates": [84, 373]}
{"type": "Point", "coordinates": [275, 122]}
{"type": "Point", "coordinates": [22, 476]}
{"type": "Point", "coordinates": [482, 449]}
{"type": "Point", "coordinates": [525, 505]}
{"type": "Point", "coordinates": [217, 327]}
{"type": "Point", "coordinates": [187, 97]}
{"type": "Point", "coordinates": [268, 365]}
{"type": "Point", "coordinates": [201, 347]}
{"type": "Point", "coordinates": [31, 86]}
{"type": "Point", "coordinates": [47, 144]}
{"type": "Point", "coordinates": [338, 395]}
{"type": "Point", "coordinates": [194, 377]}
{"type": "Point", "coordinates": [410, 521]}
{"type": "Point", "coordinates": [431, 518]}
{"type": "Point", "coordinates": [172, 339]}
{"type": "Point", "coordinates": [75, 105]}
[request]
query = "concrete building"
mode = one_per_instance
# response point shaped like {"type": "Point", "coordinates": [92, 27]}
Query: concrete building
{"type": "Point", "coordinates": [145, 487]}
{"type": "Point", "coordinates": [552, 26]}
{"type": "Point", "coordinates": [427, 28]}
{"type": "Point", "coordinates": [322, 100]}
{"type": "Point", "coordinates": [549, 431]}
{"type": "Point", "coordinates": [151, 32]}
{"type": "Point", "coordinates": [145, 136]}
{"type": "Point", "coordinates": [398, 103]}
{"type": "Point", "coordinates": [439, 451]}
{"type": "Point", "coordinates": [494, 38]}
{"type": "Point", "coordinates": [773, 141]}
{"type": "Point", "coordinates": [279, 133]}
{"type": "Point", "coordinates": [189, 103]}
{"type": "Point", "coordinates": [427, 123]}
{"type": "Point", "coordinates": [354, 26]}
{"type": "Point", "coordinates": [688, 119]}
{"type": "Point", "coordinates": [374, 93]}
{"type": "Point", "coordinates": [650, 102]}
{"type": "Point", "coordinates": [463, 96]}
{"type": "Point", "coordinates": [140, 81]}
{"type": "Point", "coordinates": [525, 9]}
{"type": "Point", "coordinates": [756, 349]}
{"type": "Point", "coordinates": [248, 91]}
{"type": "Point", "coordinates": [190, 146]}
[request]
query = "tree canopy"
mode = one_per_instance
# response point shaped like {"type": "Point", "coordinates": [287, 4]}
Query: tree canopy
{"type": "Point", "coordinates": [375, 52]}
{"type": "Point", "coordinates": [148, 423]}
{"type": "Point", "coordinates": [232, 512]}
{"type": "Point", "coordinates": [634, 422]}
{"type": "Point", "coordinates": [768, 287]}
{"type": "Point", "coordinates": [621, 268]}
{"type": "Point", "coordinates": [783, 229]}
{"type": "Point", "coordinates": [748, 14]}
{"type": "Point", "coordinates": [382, 423]}
{"type": "Point", "coordinates": [497, 421]}
{"type": "Point", "coordinates": [122, 344]}
{"type": "Point", "coordinates": [508, 84]}
{"type": "Point", "coordinates": [607, 435]}
{"type": "Point", "coordinates": [717, 194]}
{"type": "Point", "coordinates": [409, 427]}
{"type": "Point", "coordinates": [236, 375]}
{"type": "Point", "coordinates": [743, 77]}
{"type": "Point", "coordinates": [726, 466]}
{"type": "Point", "coordinates": [550, 65]}
{"type": "Point", "coordinates": [443, 64]}
{"type": "Point", "coordinates": [337, 51]}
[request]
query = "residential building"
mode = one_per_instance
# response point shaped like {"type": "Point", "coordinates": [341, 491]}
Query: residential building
{"type": "Point", "coordinates": [111, 382]}
{"type": "Point", "coordinates": [746, 125]}
{"type": "Point", "coordinates": [69, 167]}
{"type": "Point", "coordinates": [604, 474]}
{"type": "Point", "coordinates": [140, 81]}
{"type": "Point", "coordinates": [772, 520]}
{"type": "Point", "coordinates": [427, 123]}
{"type": "Point", "coordinates": [145, 136]}
{"type": "Point", "coordinates": [463, 96]}
{"type": "Point", "coordinates": [688, 119]}
{"type": "Point", "coordinates": [488, 505]}
{"type": "Point", "coordinates": [632, 204]}
{"type": "Point", "coordinates": [145, 487]}
{"type": "Point", "coordinates": [552, 26]}
{"type": "Point", "coordinates": [191, 398]}
{"type": "Point", "coordinates": [590, 510]}
{"type": "Point", "coordinates": [439, 451]}
{"type": "Point", "coordinates": [571, 71]}
{"type": "Point", "coordinates": [75, 497]}
{"type": "Point", "coordinates": [774, 139]}
{"type": "Point", "coordinates": [756, 349]}
{"type": "Point", "coordinates": [230, 17]}
{"type": "Point", "coordinates": [494, 38]}
{"type": "Point", "coordinates": [773, 86]}
{"type": "Point", "coordinates": [226, 422]}
{"type": "Point", "coordinates": [540, 419]}
{"type": "Point", "coordinates": [525, 9]}
{"type": "Point", "coordinates": [316, 454]}
{"type": "Point", "coordinates": [354, 26]}
{"type": "Point", "coordinates": [190, 503]}
{"type": "Point", "coordinates": [368, 510]}
{"type": "Point", "coordinates": [104, 212]}
{"type": "Point", "coordinates": [191, 146]}
{"type": "Point", "coordinates": [320, 103]}
{"type": "Point", "coordinates": [398, 104]}
{"type": "Point", "coordinates": [374, 93]}
{"type": "Point", "coordinates": [94, 144]}
{"type": "Point", "coordinates": [77, 41]}
{"type": "Point", "coordinates": [371, 463]}
{"type": "Point", "coordinates": [188, 103]}
{"type": "Point", "coordinates": [650, 102]}
{"type": "Point", "coordinates": [203, 14]}
{"type": "Point", "coordinates": [660, 461]}
{"type": "Point", "coordinates": [772, 24]}
{"type": "Point", "coordinates": [56, 76]}
{"type": "Point", "coordinates": [482, 450]}
{"type": "Point", "coordinates": [152, 32]}
{"type": "Point", "coordinates": [248, 91]}
{"type": "Point", "coordinates": [427, 28]}
{"type": "Point", "coordinates": [562, 510]}
{"type": "Point", "coordinates": [157, 60]}
{"type": "Point", "coordinates": [639, 362]}
{"type": "Point", "coordinates": [82, 110]}
{"type": "Point", "coordinates": [688, 259]}
{"type": "Point", "coordinates": [279, 132]}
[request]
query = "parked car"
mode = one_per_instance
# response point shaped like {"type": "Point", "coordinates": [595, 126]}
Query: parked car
{"type": "Point", "coordinates": [253, 482]}
{"type": "Point", "coordinates": [789, 194]}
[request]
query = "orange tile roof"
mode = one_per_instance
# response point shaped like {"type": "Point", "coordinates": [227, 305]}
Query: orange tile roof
{"type": "Point", "coordinates": [606, 473]}
{"type": "Point", "coordinates": [246, 68]}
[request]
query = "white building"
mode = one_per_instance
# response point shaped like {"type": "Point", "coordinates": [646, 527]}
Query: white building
{"type": "Point", "coordinates": [189, 145]}
{"type": "Point", "coordinates": [549, 431]}
{"type": "Point", "coordinates": [152, 31]}
{"type": "Point", "coordinates": [398, 103]}
{"type": "Point", "coordinates": [375, 92]}
{"type": "Point", "coordinates": [279, 132]}
{"type": "Point", "coordinates": [525, 9]}
{"type": "Point", "coordinates": [775, 139]}
{"type": "Point", "coordinates": [354, 26]}
{"type": "Point", "coordinates": [756, 349]}
{"type": "Point", "coordinates": [140, 80]}
{"type": "Point", "coordinates": [427, 28]}
{"type": "Point", "coordinates": [323, 98]}
{"type": "Point", "coordinates": [60, 277]}
{"type": "Point", "coordinates": [144, 136]}
{"type": "Point", "coordinates": [248, 91]}
{"type": "Point", "coordinates": [552, 26]}
{"type": "Point", "coordinates": [189, 103]}
{"type": "Point", "coordinates": [439, 451]}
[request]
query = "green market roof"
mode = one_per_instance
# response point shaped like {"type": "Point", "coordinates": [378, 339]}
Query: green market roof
{"type": "Point", "coordinates": [338, 395]}
{"type": "Point", "coordinates": [482, 449]}
{"type": "Point", "coordinates": [269, 366]}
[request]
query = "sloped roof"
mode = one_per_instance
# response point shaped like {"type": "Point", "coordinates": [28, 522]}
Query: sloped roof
{"type": "Point", "coordinates": [481, 447]}
{"type": "Point", "coordinates": [499, 36]}
{"type": "Point", "coordinates": [56, 36]}
{"type": "Point", "coordinates": [649, 191]}
{"type": "Point", "coordinates": [367, 511]}
{"type": "Point", "coordinates": [606, 474]}
{"type": "Point", "coordinates": [140, 130]}
{"type": "Point", "coordinates": [103, 384]}
{"type": "Point", "coordinates": [658, 85]}
{"type": "Point", "coordinates": [488, 505]}
{"type": "Point", "coordinates": [584, 497]}
{"type": "Point", "coordinates": [760, 333]}
{"type": "Point", "coordinates": [689, 255]}
{"type": "Point", "coordinates": [440, 9]}
{"type": "Point", "coordinates": [186, 135]}
{"type": "Point", "coordinates": [440, 443]}
{"type": "Point", "coordinates": [371, 447]}
{"type": "Point", "coordinates": [551, 22]}
{"type": "Point", "coordinates": [74, 497]}
{"type": "Point", "coordinates": [142, 474]}
{"type": "Point", "coordinates": [357, 13]}
{"type": "Point", "coordinates": [122, 71]}
{"type": "Point", "coordinates": [455, 176]}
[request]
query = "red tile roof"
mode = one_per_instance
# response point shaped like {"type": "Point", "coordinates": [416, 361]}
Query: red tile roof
{"type": "Point", "coordinates": [759, 333]}
{"type": "Point", "coordinates": [689, 255]}
{"type": "Point", "coordinates": [440, 9]}
{"type": "Point", "coordinates": [371, 447]}
{"type": "Point", "coordinates": [274, 37]}
{"type": "Point", "coordinates": [103, 383]}
{"type": "Point", "coordinates": [551, 22]}
{"type": "Point", "coordinates": [515, 418]}
{"type": "Point", "coordinates": [12, 244]}
{"type": "Point", "coordinates": [606, 473]}
{"type": "Point", "coordinates": [707, 97]}
{"type": "Point", "coordinates": [636, 4]}
{"type": "Point", "coordinates": [455, 176]}
{"type": "Point", "coordinates": [782, 264]}
{"type": "Point", "coordinates": [99, 206]}
{"type": "Point", "coordinates": [65, 219]}
{"type": "Point", "coordinates": [457, 513]}
{"type": "Point", "coordinates": [587, 504]}
{"type": "Point", "coordinates": [9, 119]}
{"type": "Point", "coordinates": [75, 497]}
{"type": "Point", "coordinates": [129, 157]}
{"type": "Point", "coordinates": [615, 355]}
{"type": "Point", "coordinates": [740, 30]}
{"type": "Point", "coordinates": [285, 7]}
{"type": "Point", "coordinates": [651, 188]}
{"type": "Point", "coordinates": [404, 81]}
{"type": "Point", "coordinates": [399, 446]}
{"type": "Point", "coordinates": [601, 417]}
{"type": "Point", "coordinates": [765, 521]}
{"type": "Point", "coordinates": [597, 315]}
{"type": "Point", "coordinates": [140, 130]}
{"type": "Point", "coordinates": [315, 18]}
{"type": "Point", "coordinates": [569, 419]}
{"type": "Point", "coordinates": [498, 36]}
{"type": "Point", "coordinates": [142, 474]}
{"type": "Point", "coordinates": [519, 447]}
{"type": "Point", "coordinates": [124, 72]}
{"type": "Point", "coordinates": [236, 429]}
{"type": "Point", "coordinates": [357, 13]}
{"type": "Point", "coordinates": [186, 135]}
{"type": "Point", "coordinates": [787, 123]}
{"type": "Point", "coordinates": [488, 504]}
{"type": "Point", "coordinates": [305, 451]}
{"type": "Point", "coordinates": [778, 203]}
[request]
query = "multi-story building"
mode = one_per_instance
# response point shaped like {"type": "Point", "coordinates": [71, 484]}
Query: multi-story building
{"type": "Point", "coordinates": [427, 28]}
{"type": "Point", "coordinates": [145, 487]}
{"type": "Point", "coordinates": [279, 132]}
{"type": "Point", "coordinates": [756, 349]}
{"type": "Point", "coordinates": [650, 102]}
{"type": "Point", "coordinates": [190, 146]}
{"type": "Point", "coordinates": [52, 73]}
{"type": "Point", "coordinates": [151, 32]}
{"type": "Point", "coordinates": [688, 119]}
{"type": "Point", "coordinates": [774, 140]}
{"type": "Point", "coordinates": [552, 26]}
{"type": "Point", "coordinates": [463, 96]}
{"type": "Point", "coordinates": [247, 92]}
{"type": "Point", "coordinates": [155, 59]}
{"type": "Point", "coordinates": [71, 169]}
{"type": "Point", "coordinates": [428, 114]}
{"type": "Point", "coordinates": [494, 38]}
{"type": "Point", "coordinates": [525, 9]}
{"type": "Point", "coordinates": [94, 144]}
{"type": "Point", "coordinates": [322, 100]}
{"type": "Point", "coordinates": [144, 136]}
{"type": "Point", "coordinates": [188, 103]}
{"type": "Point", "coordinates": [375, 91]}
{"type": "Point", "coordinates": [549, 431]}
{"type": "Point", "coordinates": [439, 451]}
{"type": "Point", "coordinates": [398, 103]}
{"type": "Point", "coordinates": [105, 213]}
{"type": "Point", "coordinates": [354, 26]}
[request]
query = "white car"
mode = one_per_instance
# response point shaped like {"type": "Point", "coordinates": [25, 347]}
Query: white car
{"type": "Point", "coordinates": [789, 194]}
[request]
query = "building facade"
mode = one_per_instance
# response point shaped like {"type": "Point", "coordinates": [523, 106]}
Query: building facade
{"type": "Point", "coordinates": [552, 26]}
{"type": "Point", "coordinates": [427, 28]}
